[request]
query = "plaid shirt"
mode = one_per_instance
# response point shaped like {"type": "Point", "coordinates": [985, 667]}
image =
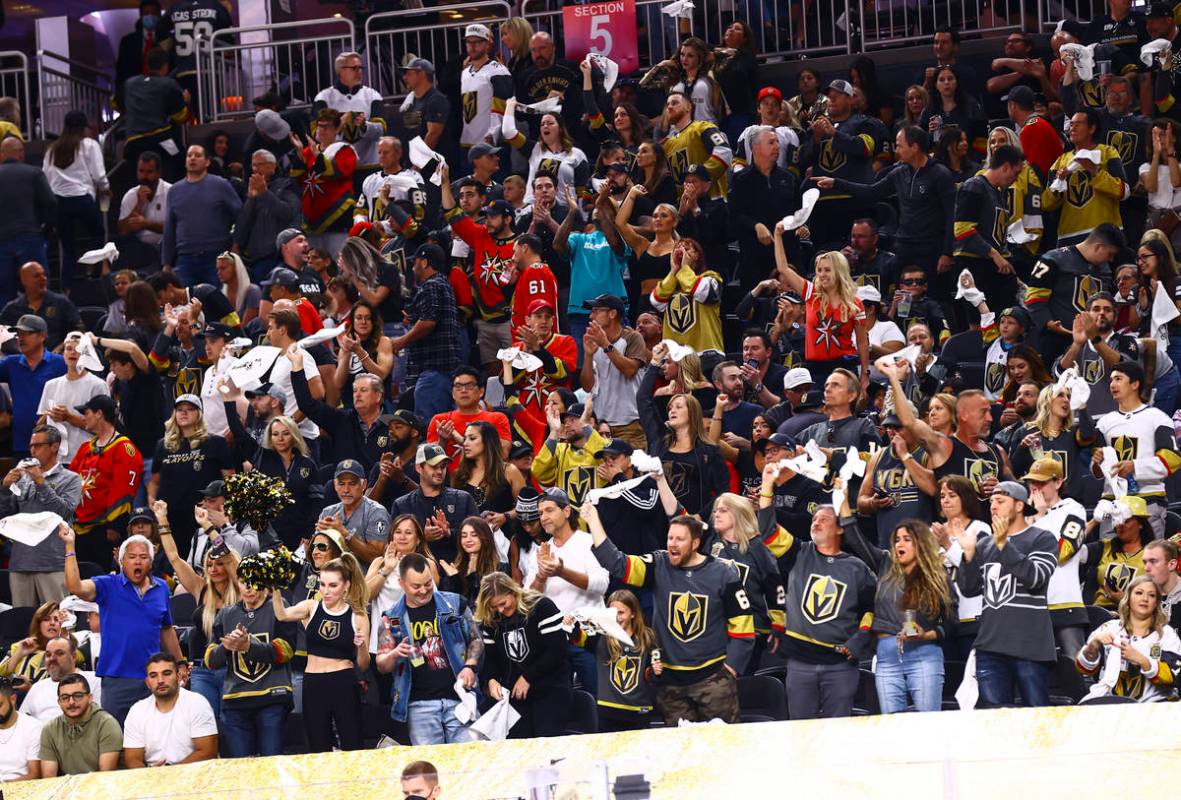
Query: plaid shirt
{"type": "Point", "coordinates": [434, 300]}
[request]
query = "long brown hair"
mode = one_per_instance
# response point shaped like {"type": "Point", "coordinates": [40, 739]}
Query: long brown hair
{"type": "Point", "coordinates": [65, 148]}
{"type": "Point", "coordinates": [925, 587]}
{"type": "Point", "coordinates": [564, 138]}
{"type": "Point", "coordinates": [643, 636]}
{"type": "Point", "coordinates": [965, 491]}
{"type": "Point", "coordinates": [696, 420]}
{"type": "Point", "coordinates": [141, 307]}
{"type": "Point", "coordinates": [349, 569]}
{"type": "Point", "coordinates": [659, 166]}
{"type": "Point", "coordinates": [487, 559]}
{"type": "Point", "coordinates": [493, 458]}
{"type": "Point", "coordinates": [1159, 617]}
{"type": "Point", "coordinates": [422, 548]}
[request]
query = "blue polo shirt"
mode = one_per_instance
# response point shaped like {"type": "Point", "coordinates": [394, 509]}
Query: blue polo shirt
{"type": "Point", "coordinates": [26, 385]}
{"type": "Point", "coordinates": [131, 624]}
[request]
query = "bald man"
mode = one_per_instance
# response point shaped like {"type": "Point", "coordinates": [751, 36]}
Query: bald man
{"type": "Point", "coordinates": [60, 315]}
{"type": "Point", "coordinates": [552, 76]}
{"type": "Point", "coordinates": [31, 207]}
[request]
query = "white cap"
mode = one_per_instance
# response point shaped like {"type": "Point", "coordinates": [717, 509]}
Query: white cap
{"type": "Point", "coordinates": [797, 377]}
{"type": "Point", "coordinates": [477, 31]}
{"type": "Point", "coordinates": [869, 294]}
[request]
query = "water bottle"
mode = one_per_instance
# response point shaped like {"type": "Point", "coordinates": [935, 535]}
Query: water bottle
{"type": "Point", "coordinates": [904, 305]}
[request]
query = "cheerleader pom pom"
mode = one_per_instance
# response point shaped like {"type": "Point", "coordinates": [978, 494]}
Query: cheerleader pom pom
{"type": "Point", "coordinates": [255, 498]}
{"type": "Point", "coordinates": [272, 569]}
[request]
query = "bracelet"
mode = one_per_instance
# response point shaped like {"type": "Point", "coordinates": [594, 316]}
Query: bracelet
{"type": "Point", "coordinates": [70, 554]}
{"type": "Point", "coordinates": [768, 496]}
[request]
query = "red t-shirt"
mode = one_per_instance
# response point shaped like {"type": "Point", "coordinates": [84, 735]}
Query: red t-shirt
{"type": "Point", "coordinates": [829, 337]}
{"type": "Point", "coordinates": [461, 421]}
{"type": "Point", "coordinates": [309, 318]}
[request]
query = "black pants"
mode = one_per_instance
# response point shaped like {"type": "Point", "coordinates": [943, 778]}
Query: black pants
{"type": "Point", "coordinates": [544, 712]}
{"type": "Point", "coordinates": [331, 697]}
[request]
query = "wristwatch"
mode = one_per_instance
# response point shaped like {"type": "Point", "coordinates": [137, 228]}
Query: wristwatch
{"type": "Point", "coordinates": [758, 388]}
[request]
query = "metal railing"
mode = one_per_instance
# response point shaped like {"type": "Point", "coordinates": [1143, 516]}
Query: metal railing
{"type": "Point", "coordinates": [66, 85]}
{"type": "Point", "coordinates": [890, 23]}
{"type": "Point", "coordinates": [235, 65]}
{"type": "Point", "coordinates": [811, 28]}
{"type": "Point", "coordinates": [393, 38]}
{"type": "Point", "coordinates": [1049, 12]}
{"type": "Point", "coordinates": [14, 83]}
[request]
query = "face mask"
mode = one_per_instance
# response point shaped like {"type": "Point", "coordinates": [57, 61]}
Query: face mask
{"type": "Point", "coordinates": [149, 22]}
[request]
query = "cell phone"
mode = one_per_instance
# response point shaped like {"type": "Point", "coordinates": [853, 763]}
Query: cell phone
{"type": "Point", "coordinates": [750, 362]}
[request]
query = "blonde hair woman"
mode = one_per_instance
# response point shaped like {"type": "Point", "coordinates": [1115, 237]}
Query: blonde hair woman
{"type": "Point", "coordinates": [737, 529]}
{"type": "Point", "coordinates": [515, 33]}
{"type": "Point", "coordinates": [834, 317]}
{"type": "Point", "coordinates": [337, 632]}
{"type": "Point", "coordinates": [653, 256]}
{"type": "Point", "coordinates": [515, 620]}
{"type": "Point", "coordinates": [1060, 430]}
{"type": "Point", "coordinates": [1140, 638]}
{"type": "Point", "coordinates": [284, 454]}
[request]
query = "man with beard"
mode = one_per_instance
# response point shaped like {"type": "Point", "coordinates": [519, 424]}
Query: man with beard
{"type": "Point", "coordinates": [84, 739]}
{"type": "Point", "coordinates": [394, 474]}
{"type": "Point", "coordinates": [692, 142]}
{"type": "Point", "coordinates": [172, 725]}
{"type": "Point", "coordinates": [702, 618]}
{"type": "Point", "coordinates": [1094, 349]}
{"type": "Point", "coordinates": [439, 508]}
{"type": "Point", "coordinates": [1017, 418]}
{"type": "Point", "coordinates": [263, 404]}
{"type": "Point", "coordinates": [484, 87]}
{"type": "Point", "coordinates": [141, 213]}
{"type": "Point", "coordinates": [137, 621]}
{"type": "Point", "coordinates": [738, 415]}
{"type": "Point", "coordinates": [60, 660]}
{"type": "Point", "coordinates": [568, 457]}
{"type": "Point", "coordinates": [20, 758]}
{"type": "Point", "coordinates": [551, 76]}
{"type": "Point", "coordinates": [543, 220]}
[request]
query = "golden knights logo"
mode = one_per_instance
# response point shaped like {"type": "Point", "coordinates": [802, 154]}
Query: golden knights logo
{"type": "Point", "coordinates": [687, 614]}
{"type": "Point", "coordinates": [1130, 684]}
{"type": "Point", "coordinates": [822, 598]}
{"type": "Point", "coordinates": [1094, 94]}
{"type": "Point", "coordinates": [1118, 575]}
{"type": "Point", "coordinates": [1078, 188]}
{"type": "Point", "coordinates": [1125, 143]}
{"type": "Point", "coordinates": [516, 645]}
{"type": "Point", "coordinates": [625, 674]}
{"type": "Point", "coordinates": [999, 588]}
{"type": "Point", "coordinates": [743, 569]}
{"type": "Point", "coordinates": [1094, 370]}
{"type": "Point", "coordinates": [868, 279]}
{"type": "Point", "coordinates": [549, 166]}
{"type": "Point", "coordinates": [994, 377]}
{"type": "Point", "coordinates": [1063, 460]}
{"type": "Point", "coordinates": [252, 671]}
{"type": "Point", "coordinates": [579, 480]}
{"type": "Point", "coordinates": [1000, 226]}
{"type": "Point", "coordinates": [329, 629]}
{"type": "Point", "coordinates": [682, 313]}
{"type": "Point", "coordinates": [678, 165]}
{"type": "Point", "coordinates": [1084, 287]}
{"type": "Point", "coordinates": [831, 159]}
{"type": "Point", "coordinates": [470, 102]}
{"type": "Point", "coordinates": [978, 469]}
{"type": "Point", "coordinates": [1126, 447]}
{"type": "Point", "coordinates": [188, 381]}
{"type": "Point", "coordinates": [1011, 202]}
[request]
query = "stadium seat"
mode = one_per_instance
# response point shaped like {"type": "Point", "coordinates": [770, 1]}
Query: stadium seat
{"type": "Point", "coordinates": [14, 624]}
{"type": "Point", "coordinates": [1066, 682]}
{"type": "Point", "coordinates": [866, 701]}
{"type": "Point", "coordinates": [761, 699]}
{"type": "Point", "coordinates": [584, 713]}
{"type": "Point", "coordinates": [92, 317]}
{"type": "Point", "coordinates": [1097, 616]}
{"type": "Point", "coordinates": [776, 672]}
{"type": "Point", "coordinates": [182, 607]}
{"type": "Point", "coordinates": [1108, 700]}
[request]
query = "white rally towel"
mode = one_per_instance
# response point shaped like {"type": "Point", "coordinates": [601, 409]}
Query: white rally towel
{"type": "Point", "coordinates": [679, 8]}
{"type": "Point", "coordinates": [608, 67]}
{"type": "Point", "coordinates": [676, 350]}
{"type": "Point", "coordinates": [87, 357]}
{"type": "Point", "coordinates": [604, 620]}
{"type": "Point", "coordinates": [246, 372]}
{"type": "Point", "coordinates": [1084, 58]}
{"type": "Point", "coordinates": [1080, 390]}
{"type": "Point", "coordinates": [910, 354]}
{"type": "Point", "coordinates": [966, 289]}
{"type": "Point", "coordinates": [798, 218]}
{"type": "Point", "coordinates": [1018, 235]}
{"type": "Point", "coordinates": [969, 691]}
{"type": "Point", "coordinates": [468, 708]}
{"type": "Point", "coordinates": [322, 335]}
{"type": "Point", "coordinates": [108, 252]}
{"type": "Point", "coordinates": [1164, 309]}
{"type": "Point", "coordinates": [519, 359]}
{"type": "Point", "coordinates": [614, 490]}
{"type": "Point", "coordinates": [421, 154]}
{"type": "Point", "coordinates": [497, 721]}
{"type": "Point", "coordinates": [550, 105]}
{"type": "Point", "coordinates": [1119, 486]}
{"type": "Point", "coordinates": [1150, 51]}
{"type": "Point", "coordinates": [854, 466]}
{"type": "Point", "coordinates": [29, 529]}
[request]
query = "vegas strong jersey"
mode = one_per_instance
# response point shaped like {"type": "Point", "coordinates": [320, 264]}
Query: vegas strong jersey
{"type": "Point", "coordinates": [187, 22]}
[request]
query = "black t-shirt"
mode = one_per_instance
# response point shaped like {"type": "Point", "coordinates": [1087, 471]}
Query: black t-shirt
{"type": "Point", "coordinates": [215, 305]}
{"type": "Point", "coordinates": [433, 679]}
{"type": "Point", "coordinates": [684, 478]}
{"type": "Point", "coordinates": [141, 404]}
{"type": "Point", "coordinates": [183, 474]}
{"type": "Point", "coordinates": [390, 276]}
{"type": "Point", "coordinates": [431, 107]}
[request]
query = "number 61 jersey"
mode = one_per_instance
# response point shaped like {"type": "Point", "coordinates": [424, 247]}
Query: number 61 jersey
{"type": "Point", "coordinates": [1067, 520]}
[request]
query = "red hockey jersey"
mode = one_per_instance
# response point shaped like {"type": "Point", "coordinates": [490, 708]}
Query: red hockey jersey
{"type": "Point", "coordinates": [110, 478]}
{"type": "Point", "coordinates": [328, 197]}
{"type": "Point", "coordinates": [490, 259]}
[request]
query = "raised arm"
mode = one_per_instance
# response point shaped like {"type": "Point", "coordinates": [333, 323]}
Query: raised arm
{"type": "Point", "coordinates": [188, 577]}
{"type": "Point", "coordinates": [124, 346]}
{"type": "Point", "coordinates": [82, 589]}
{"type": "Point", "coordinates": [634, 239]}
{"type": "Point", "coordinates": [794, 280]}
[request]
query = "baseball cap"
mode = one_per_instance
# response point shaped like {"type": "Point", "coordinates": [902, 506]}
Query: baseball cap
{"type": "Point", "coordinates": [519, 449]}
{"type": "Point", "coordinates": [141, 514]}
{"type": "Point", "coordinates": [869, 294]}
{"type": "Point", "coordinates": [266, 390]}
{"type": "Point", "coordinates": [433, 254]}
{"type": "Point", "coordinates": [1159, 10]}
{"type": "Point", "coordinates": [1044, 469]}
{"type": "Point", "coordinates": [281, 276]}
{"type": "Point", "coordinates": [794, 298]}
{"type": "Point", "coordinates": [617, 166]}
{"type": "Point", "coordinates": [891, 421]}
{"type": "Point", "coordinates": [31, 323]}
{"type": "Point", "coordinates": [1012, 489]}
{"type": "Point", "coordinates": [797, 377]}
{"type": "Point", "coordinates": [409, 418]}
{"type": "Point", "coordinates": [477, 31]}
{"type": "Point", "coordinates": [360, 228]}
{"type": "Point", "coordinates": [770, 91]}
{"type": "Point", "coordinates": [350, 466]}
{"type": "Point", "coordinates": [500, 207]}
{"type": "Point", "coordinates": [191, 399]}
{"type": "Point", "coordinates": [421, 64]}
{"type": "Point", "coordinates": [271, 125]}
{"type": "Point", "coordinates": [605, 301]}
{"type": "Point", "coordinates": [539, 304]}
{"type": "Point", "coordinates": [1019, 314]}
{"type": "Point", "coordinates": [100, 402]}
{"type": "Point", "coordinates": [286, 235]}
{"type": "Point", "coordinates": [527, 504]}
{"type": "Point", "coordinates": [842, 86]}
{"type": "Point", "coordinates": [574, 410]}
{"type": "Point", "coordinates": [219, 329]}
{"type": "Point", "coordinates": [481, 149]}
{"type": "Point", "coordinates": [699, 171]}
{"type": "Point", "coordinates": [430, 454]}
{"type": "Point", "coordinates": [618, 447]}
{"type": "Point", "coordinates": [1022, 96]}
{"type": "Point", "coordinates": [555, 495]}
{"type": "Point", "coordinates": [777, 439]}
{"type": "Point", "coordinates": [1135, 504]}
{"type": "Point", "coordinates": [813, 399]}
{"type": "Point", "coordinates": [214, 489]}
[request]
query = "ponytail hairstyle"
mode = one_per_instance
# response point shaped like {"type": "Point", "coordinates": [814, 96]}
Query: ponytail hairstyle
{"type": "Point", "coordinates": [349, 569]}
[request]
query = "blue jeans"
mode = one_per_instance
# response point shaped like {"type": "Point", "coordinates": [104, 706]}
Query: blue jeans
{"type": "Point", "coordinates": [253, 731]}
{"type": "Point", "coordinates": [996, 675]}
{"type": "Point", "coordinates": [15, 253]}
{"type": "Point", "coordinates": [208, 683]}
{"type": "Point", "coordinates": [1168, 391]}
{"type": "Point", "coordinates": [120, 694]}
{"type": "Point", "coordinates": [432, 394]}
{"type": "Point", "coordinates": [578, 323]}
{"type": "Point", "coordinates": [434, 722]}
{"type": "Point", "coordinates": [582, 662]}
{"type": "Point", "coordinates": [197, 268]}
{"type": "Point", "coordinates": [917, 676]}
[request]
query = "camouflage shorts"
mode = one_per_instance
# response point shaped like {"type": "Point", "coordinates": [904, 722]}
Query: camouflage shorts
{"type": "Point", "coordinates": [713, 697]}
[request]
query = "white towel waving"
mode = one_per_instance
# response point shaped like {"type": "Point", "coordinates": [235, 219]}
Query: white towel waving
{"type": "Point", "coordinates": [519, 359]}
{"type": "Point", "coordinates": [680, 8]}
{"type": "Point", "coordinates": [798, 218]}
{"type": "Point", "coordinates": [1150, 51]}
{"type": "Point", "coordinates": [108, 252]}
{"type": "Point", "coordinates": [608, 67]}
{"type": "Point", "coordinates": [30, 529]}
{"type": "Point", "coordinates": [421, 155]}
{"type": "Point", "coordinates": [1084, 58]}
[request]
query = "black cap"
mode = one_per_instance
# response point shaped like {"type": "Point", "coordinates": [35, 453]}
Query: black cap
{"type": "Point", "coordinates": [619, 447]}
{"type": "Point", "coordinates": [617, 166]}
{"type": "Point", "coordinates": [500, 207]}
{"type": "Point", "coordinates": [777, 439]}
{"type": "Point", "coordinates": [266, 390]}
{"type": "Point", "coordinates": [813, 399]}
{"type": "Point", "coordinates": [793, 298]}
{"type": "Point", "coordinates": [407, 417]}
{"type": "Point", "coordinates": [1074, 28]}
{"type": "Point", "coordinates": [141, 514]}
{"type": "Point", "coordinates": [100, 402]}
{"type": "Point", "coordinates": [1022, 96]}
{"type": "Point", "coordinates": [282, 276]}
{"type": "Point", "coordinates": [574, 410]}
{"type": "Point", "coordinates": [220, 330]}
{"type": "Point", "coordinates": [433, 254]}
{"type": "Point", "coordinates": [1020, 314]}
{"type": "Point", "coordinates": [1159, 11]}
{"type": "Point", "coordinates": [214, 489]}
{"type": "Point", "coordinates": [554, 495]}
{"type": "Point", "coordinates": [891, 421]}
{"type": "Point", "coordinates": [481, 149]}
{"type": "Point", "coordinates": [699, 171]}
{"type": "Point", "coordinates": [606, 301]}
{"type": "Point", "coordinates": [519, 449]}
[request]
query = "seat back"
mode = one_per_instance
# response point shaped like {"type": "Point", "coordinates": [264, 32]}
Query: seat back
{"type": "Point", "coordinates": [761, 696]}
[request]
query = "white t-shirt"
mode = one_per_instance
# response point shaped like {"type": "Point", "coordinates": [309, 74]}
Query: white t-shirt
{"type": "Point", "coordinates": [153, 211]}
{"type": "Point", "coordinates": [281, 377]}
{"type": "Point", "coordinates": [70, 393]}
{"type": "Point", "coordinates": [882, 332]}
{"type": "Point", "coordinates": [576, 555]}
{"type": "Point", "coordinates": [391, 592]}
{"type": "Point", "coordinates": [168, 737]}
{"type": "Point", "coordinates": [212, 400]}
{"type": "Point", "coordinates": [41, 701]}
{"type": "Point", "coordinates": [23, 747]}
{"type": "Point", "coordinates": [1165, 195]}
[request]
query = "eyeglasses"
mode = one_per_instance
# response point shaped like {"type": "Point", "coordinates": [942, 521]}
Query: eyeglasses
{"type": "Point", "coordinates": [357, 67]}
{"type": "Point", "coordinates": [1144, 256]}
{"type": "Point", "coordinates": [75, 696]}
{"type": "Point", "coordinates": [39, 444]}
{"type": "Point", "coordinates": [913, 281]}
{"type": "Point", "coordinates": [465, 386]}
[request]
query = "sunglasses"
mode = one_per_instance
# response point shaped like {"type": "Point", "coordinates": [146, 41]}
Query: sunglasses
{"type": "Point", "coordinates": [913, 281]}
{"type": "Point", "coordinates": [320, 547]}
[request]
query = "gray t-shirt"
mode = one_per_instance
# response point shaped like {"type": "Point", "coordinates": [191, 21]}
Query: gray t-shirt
{"type": "Point", "coordinates": [615, 395]}
{"type": "Point", "coordinates": [370, 521]}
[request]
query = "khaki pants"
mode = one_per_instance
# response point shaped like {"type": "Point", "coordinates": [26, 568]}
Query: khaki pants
{"type": "Point", "coordinates": [632, 433]}
{"type": "Point", "coordinates": [31, 589]}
